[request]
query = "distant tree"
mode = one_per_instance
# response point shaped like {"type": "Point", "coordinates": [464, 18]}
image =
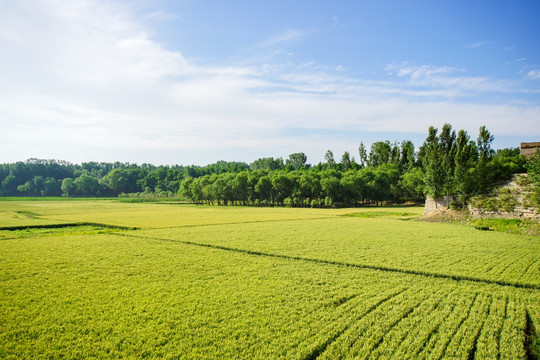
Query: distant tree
{"type": "Point", "coordinates": [68, 187]}
{"type": "Point", "coordinates": [351, 187]}
{"type": "Point", "coordinates": [283, 186]}
{"type": "Point", "coordinates": [465, 159]}
{"type": "Point", "coordinates": [507, 162]}
{"type": "Point", "coordinates": [240, 187]}
{"type": "Point", "coordinates": [122, 180]}
{"type": "Point", "coordinates": [380, 186]}
{"type": "Point", "coordinates": [9, 185]}
{"type": "Point", "coordinates": [268, 163]}
{"type": "Point", "coordinates": [310, 184]}
{"type": "Point", "coordinates": [380, 153]}
{"type": "Point", "coordinates": [346, 162]}
{"type": "Point", "coordinates": [33, 187]}
{"type": "Point", "coordinates": [51, 187]}
{"type": "Point", "coordinates": [264, 189]}
{"type": "Point", "coordinates": [330, 185]}
{"type": "Point", "coordinates": [186, 188]}
{"type": "Point", "coordinates": [363, 157]}
{"type": "Point", "coordinates": [412, 185]}
{"type": "Point", "coordinates": [407, 158]}
{"type": "Point", "coordinates": [447, 143]}
{"type": "Point", "coordinates": [86, 185]}
{"type": "Point", "coordinates": [485, 154]}
{"type": "Point", "coordinates": [297, 161]}
{"type": "Point", "coordinates": [329, 157]}
{"type": "Point", "coordinates": [395, 154]}
{"type": "Point", "coordinates": [432, 160]}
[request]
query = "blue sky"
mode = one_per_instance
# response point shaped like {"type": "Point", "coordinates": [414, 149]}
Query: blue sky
{"type": "Point", "coordinates": [193, 82]}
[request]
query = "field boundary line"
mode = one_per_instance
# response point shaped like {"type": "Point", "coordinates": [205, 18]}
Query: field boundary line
{"type": "Point", "coordinates": [341, 263]}
{"type": "Point", "coordinates": [65, 225]}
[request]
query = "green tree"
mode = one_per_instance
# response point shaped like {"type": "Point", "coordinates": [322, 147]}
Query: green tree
{"type": "Point", "coordinates": [464, 168]}
{"type": "Point", "coordinates": [68, 187]}
{"type": "Point", "coordinates": [264, 189]}
{"type": "Point", "coordinates": [329, 157]}
{"type": "Point", "coordinates": [412, 185]}
{"type": "Point", "coordinates": [310, 184]}
{"type": "Point", "coordinates": [363, 157]}
{"type": "Point", "coordinates": [86, 185]}
{"type": "Point", "coordinates": [126, 180]}
{"type": "Point", "coordinates": [351, 187]}
{"type": "Point", "coordinates": [186, 188]}
{"type": "Point", "coordinates": [432, 159]}
{"type": "Point", "coordinates": [240, 187]}
{"type": "Point", "coordinates": [51, 187]}
{"type": "Point", "coordinates": [330, 185]}
{"type": "Point", "coordinates": [380, 153]}
{"type": "Point", "coordinates": [283, 186]}
{"type": "Point", "coordinates": [346, 162]}
{"type": "Point", "coordinates": [485, 154]}
{"type": "Point", "coordinates": [268, 163]}
{"type": "Point", "coordinates": [447, 143]}
{"type": "Point", "coordinates": [407, 158]}
{"type": "Point", "coordinates": [297, 161]}
{"type": "Point", "coordinates": [10, 184]}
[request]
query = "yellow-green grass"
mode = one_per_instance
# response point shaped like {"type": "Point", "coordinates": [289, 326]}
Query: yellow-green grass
{"type": "Point", "coordinates": [244, 283]}
{"type": "Point", "coordinates": [158, 215]}
{"type": "Point", "coordinates": [109, 296]}
{"type": "Point", "coordinates": [411, 246]}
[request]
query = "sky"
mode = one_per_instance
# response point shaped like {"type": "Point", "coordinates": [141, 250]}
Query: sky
{"type": "Point", "coordinates": [198, 81]}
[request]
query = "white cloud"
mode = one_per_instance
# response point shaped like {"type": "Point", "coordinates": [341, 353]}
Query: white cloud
{"type": "Point", "coordinates": [285, 37]}
{"type": "Point", "coordinates": [449, 78]}
{"type": "Point", "coordinates": [79, 80]}
{"type": "Point", "coordinates": [418, 72]}
{"type": "Point", "coordinates": [479, 44]}
{"type": "Point", "coordinates": [159, 15]}
{"type": "Point", "coordinates": [534, 74]}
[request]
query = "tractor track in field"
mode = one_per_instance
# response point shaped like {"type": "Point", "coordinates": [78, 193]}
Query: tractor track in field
{"type": "Point", "coordinates": [341, 263]}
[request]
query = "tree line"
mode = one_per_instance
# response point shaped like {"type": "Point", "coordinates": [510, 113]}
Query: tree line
{"type": "Point", "coordinates": [446, 164]}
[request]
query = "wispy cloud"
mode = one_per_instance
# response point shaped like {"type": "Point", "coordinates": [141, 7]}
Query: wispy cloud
{"type": "Point", "coordinates": [159, 15]}
{"type": "Point", "coordinates": [285, 37]}
{"type": "Point", "coordinates": [534, 74]}
{"type": "Point", "coordinates": [419, 72]}
{"type": "Point", "coordinates": [448, 78]}
{"type": "Point", "coordinates": [478, 44]}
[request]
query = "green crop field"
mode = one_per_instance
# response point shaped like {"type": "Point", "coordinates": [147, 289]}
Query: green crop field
{"type": "Point", "coordinates": [110, 279]}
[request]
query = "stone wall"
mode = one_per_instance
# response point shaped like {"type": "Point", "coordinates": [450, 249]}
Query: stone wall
{"type": "Point", "coordinates": [432, 204]}
{"type": "Point", "coordinates": [528, 149]}
{"type": "Point", "coordinates": [518, 213]}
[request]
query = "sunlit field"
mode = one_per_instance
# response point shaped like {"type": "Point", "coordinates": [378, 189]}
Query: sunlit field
{"type": "Point", "coordinates": [107, 279]}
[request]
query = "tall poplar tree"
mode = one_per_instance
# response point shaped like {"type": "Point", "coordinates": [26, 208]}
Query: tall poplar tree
{"type": "Point", "coordinates": [432, 163]}
{"type": "Point", "coordinates": [485, 155]}
{"type": "Point", "coordinates": [465, 162]}
{"type": "Point", "coordinates": [447, 144]}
